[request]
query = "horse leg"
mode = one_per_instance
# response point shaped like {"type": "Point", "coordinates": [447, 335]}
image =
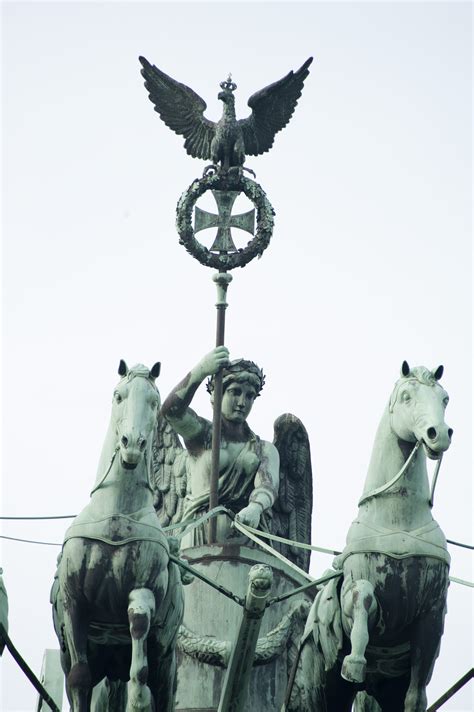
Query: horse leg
{"type": "Point", "coordinates": [163, 680]}
{"type": "Point", "coordinates": [359, 608]}
{"type": "Point", "coordinates": [78, 680]}
{"type": "Point", "coordinates": [141, 607]}
{"type": "Point", "coordinates": [425, 643]}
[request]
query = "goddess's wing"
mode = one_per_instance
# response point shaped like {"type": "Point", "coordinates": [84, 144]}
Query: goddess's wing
{"type": "Point", "coordinates": [295, 498]}
{"type": "Point", "coordinates": [169, 474]}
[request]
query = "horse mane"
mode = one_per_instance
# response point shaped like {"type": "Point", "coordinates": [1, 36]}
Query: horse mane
{"type": "Point", "coordinates": [422, 375]}
{"type": "Point", "coordinates": [139, 370]}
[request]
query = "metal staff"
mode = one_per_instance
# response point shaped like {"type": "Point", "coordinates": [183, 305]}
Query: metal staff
{"type": "Point", "coordinates": [224, 256]}
{"type": "Point", "coordinates": [223, 245]}
{"type": "Point", "coordinates": [222, 280]}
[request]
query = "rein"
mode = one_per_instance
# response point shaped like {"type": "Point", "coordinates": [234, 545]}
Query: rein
{"type": "Point", "coordinates": [99, 485]}
{"type": "Point", "coordinates": [379, 490]}
{"type": "Point", "coordinates": [435, 479]}
{"type": "Point", "coordinates": [388, 485]}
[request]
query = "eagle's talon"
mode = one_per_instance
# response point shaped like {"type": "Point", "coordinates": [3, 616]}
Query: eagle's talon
{"type": "Point", "coordinates": [210, 170]}
{"type": "Point", "coordinates": [249, 170]}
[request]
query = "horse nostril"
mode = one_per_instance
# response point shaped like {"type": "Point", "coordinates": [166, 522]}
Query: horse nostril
{"type": "Point", "coordinates": [431, 432]}
{"type": "Point", "coordinates": [450, 433]}
{"type": "Point", "coordinates": [124, 441]}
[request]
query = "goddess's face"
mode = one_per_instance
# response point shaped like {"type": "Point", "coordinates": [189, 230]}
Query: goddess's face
{"type": "Point", "coordinates": [237, 401]}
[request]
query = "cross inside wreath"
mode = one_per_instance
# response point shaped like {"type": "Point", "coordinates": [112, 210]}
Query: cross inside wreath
{"type": "Point", "coordinates": [224, 221]}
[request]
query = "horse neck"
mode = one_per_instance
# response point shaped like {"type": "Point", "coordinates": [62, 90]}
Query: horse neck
{"type": "Point", "coordinates": [107, 453]}
{"type": "Point", "coordinates": [406, 504]}
{"type": "Point", "coordinates": [117, 490]}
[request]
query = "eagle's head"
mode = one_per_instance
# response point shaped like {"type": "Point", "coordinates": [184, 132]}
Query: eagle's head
{"type": "Point", "coordinates": [228, 87]}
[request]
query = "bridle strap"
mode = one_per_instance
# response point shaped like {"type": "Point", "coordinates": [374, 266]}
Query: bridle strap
{"type": "Point", "coordinates": [379, 490]}
{"type": "Point", "coordinates": [147, 484]}
{"type": "Point", "coordinates": [435, 479]}
{"type": "Point", "coordinates": [106, 472]}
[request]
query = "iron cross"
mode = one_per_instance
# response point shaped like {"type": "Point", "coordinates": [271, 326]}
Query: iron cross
{"type": "Point", "coordinates": [224, 220]}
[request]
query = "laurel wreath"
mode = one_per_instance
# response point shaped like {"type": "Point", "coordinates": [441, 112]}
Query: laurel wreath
{"type": "Point", "coordinates": [256, 246]}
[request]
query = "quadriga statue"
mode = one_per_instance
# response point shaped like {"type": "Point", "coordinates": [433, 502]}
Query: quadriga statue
{"type": "Point", "coordinates": [379, 627]}
{"type": "Point", "coordinates": [117, 597]}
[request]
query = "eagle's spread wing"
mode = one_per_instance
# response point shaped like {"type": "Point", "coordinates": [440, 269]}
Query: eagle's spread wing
{"type": "Point", "coordinates": [181, 109]}
{"type": "Point", "coordinates": [272, 108]}
{"type": "Point", "coordinates": [294, 505]}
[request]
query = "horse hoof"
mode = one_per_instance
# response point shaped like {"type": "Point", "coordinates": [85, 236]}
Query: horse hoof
{"type": "Point", "coordinates": [353, 668]}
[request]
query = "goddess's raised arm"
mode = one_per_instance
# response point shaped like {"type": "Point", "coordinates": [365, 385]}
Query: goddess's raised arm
{"type": "Point", "coordinates": [176, 407]}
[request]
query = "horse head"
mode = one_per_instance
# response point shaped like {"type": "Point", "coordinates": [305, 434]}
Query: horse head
{"type": "Point", "coordinates": [136, 403]}
{"type": "Point", "coordinates": [417, 406]}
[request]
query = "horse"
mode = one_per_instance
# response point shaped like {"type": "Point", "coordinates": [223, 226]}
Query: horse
{"type": "Point", "coordinates": [117, 597]}
{"type": "Point", "coordinates": [378, 627]}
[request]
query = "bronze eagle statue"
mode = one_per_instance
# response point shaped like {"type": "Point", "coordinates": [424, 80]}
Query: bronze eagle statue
{"type": "Point", "coordinates": [228, 141]}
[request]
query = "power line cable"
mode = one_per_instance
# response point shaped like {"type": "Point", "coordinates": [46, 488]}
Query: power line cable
{"type": "Point", "coordinates": [30, 541]}
{"type": "Point", "coordinates": [55, 543]}
{"type": "Point", "coordinates": [73, 516]}
{"type": "Point", "coordinates": [457, 543]}
{"type": "Point", "coordinates": [61, 516]}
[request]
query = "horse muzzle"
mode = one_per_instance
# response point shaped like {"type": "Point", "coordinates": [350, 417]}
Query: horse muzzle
{"type": "Point", "coordinates": [131, 450]}
{"type": "Point", "coordinates": [436, 441]}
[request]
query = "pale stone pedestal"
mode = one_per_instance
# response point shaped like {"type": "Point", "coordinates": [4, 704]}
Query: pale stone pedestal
{"type": "Point", "coordinates": [52, 679]}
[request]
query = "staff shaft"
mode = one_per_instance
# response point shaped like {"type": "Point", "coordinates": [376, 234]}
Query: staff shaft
{"type": "Point", "coordinates": [222, 280]}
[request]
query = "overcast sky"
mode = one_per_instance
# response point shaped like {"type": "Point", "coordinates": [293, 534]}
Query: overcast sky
{"type": "Point", "coordinates": [370, 262]}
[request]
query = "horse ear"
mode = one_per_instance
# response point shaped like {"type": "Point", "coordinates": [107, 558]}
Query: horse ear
{"type": "Point", "coordinates": [405, 369]}
{"type": "Point", "coordinates": [155, 371]}
{"type": "Point", "coordinates": [122, 369]}
{"type": "Point", "coordinates": [438, 372]}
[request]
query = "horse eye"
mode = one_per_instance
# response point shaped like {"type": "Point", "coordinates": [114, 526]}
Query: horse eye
{"type": "Point", "coordinates": [406, 397]}
{"type": "Point", "coordinates": [446, 401]}
{"type": "Point", "coordinates": [118, 397]}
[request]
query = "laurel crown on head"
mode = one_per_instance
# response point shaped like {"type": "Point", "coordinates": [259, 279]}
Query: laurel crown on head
{"type": "Point", "coordinates": [241, 371]}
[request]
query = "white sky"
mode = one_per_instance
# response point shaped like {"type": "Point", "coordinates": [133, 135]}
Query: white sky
{"type": "Point", "coordinates": [369, 263]}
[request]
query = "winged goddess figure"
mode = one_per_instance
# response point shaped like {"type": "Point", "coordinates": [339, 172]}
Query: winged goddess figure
{"type": "Point", "coordinates": [268, 485]}
{"type": "Point", "coordinates": [230, 140]}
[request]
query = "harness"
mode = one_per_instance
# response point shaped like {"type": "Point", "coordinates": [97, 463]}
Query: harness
{"type": "Point", "coordinates": [388, 485]}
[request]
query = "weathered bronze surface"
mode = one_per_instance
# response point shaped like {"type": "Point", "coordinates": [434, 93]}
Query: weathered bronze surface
{"type": "Point", "coordinates": [117, 597]}
{"type": "Point", "coordinates": [381, 630]}
{"type": "Point", "coordinates": [265, 484]}
{"type": "Point", "coordinates": [224, 220]}
{"type": "Point", "coordinates": [224, 184]}
{"type": "Point", "coordinates": [228, 141]}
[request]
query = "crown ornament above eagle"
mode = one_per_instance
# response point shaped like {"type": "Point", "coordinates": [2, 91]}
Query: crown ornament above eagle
{"type": "Point", "coordinates": [228, 84]}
